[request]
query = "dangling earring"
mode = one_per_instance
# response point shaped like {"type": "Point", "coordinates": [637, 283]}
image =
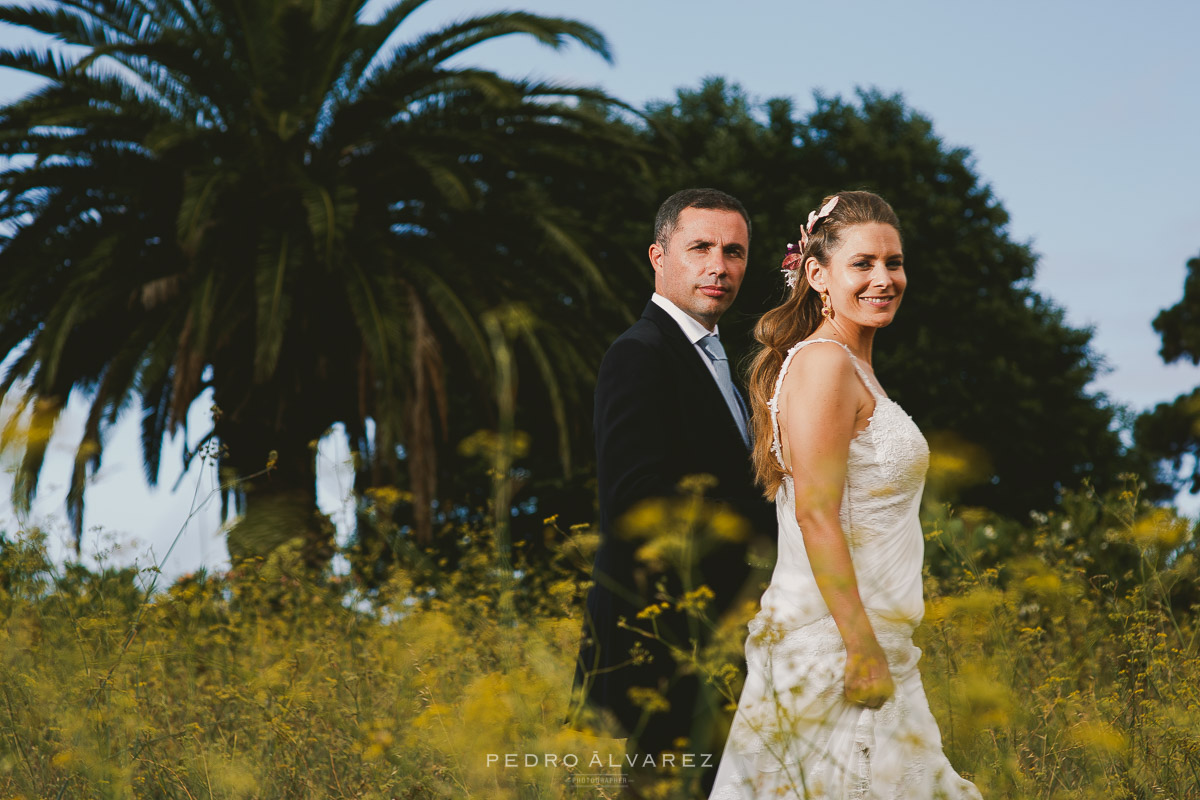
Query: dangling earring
{"type": "Point", "coordinates": [826, 305]}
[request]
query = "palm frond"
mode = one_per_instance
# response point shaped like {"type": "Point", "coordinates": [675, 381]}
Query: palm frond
{"type": "Point", "coordinates": [277, 257]}
{"type": "Point", "coordinates": [118, 380]}
{"type": "Point", "coordinates": [453, 313]}
{"type": "Point", "coordinates": [42, 422]}
{"type": "Point", "coordinates": [578, 256]}
{"type": "Point", "coordinates": [549, 372]}
{"type": "Point", "coordinates": [71, 27]}
{"type": "Point", "coordinates": [441, 45]}
{"type": "Point", "coordinates": [44, 63]}
{"type": "Point", "coordinates": [370, 39]}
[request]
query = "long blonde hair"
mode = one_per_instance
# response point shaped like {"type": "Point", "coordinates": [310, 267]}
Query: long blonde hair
{"type": "Point", "coordinates": [796, 318]}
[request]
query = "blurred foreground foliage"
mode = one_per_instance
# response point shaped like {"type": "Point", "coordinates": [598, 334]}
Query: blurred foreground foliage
{"type": "Point", "coordinates": [1060, 660]}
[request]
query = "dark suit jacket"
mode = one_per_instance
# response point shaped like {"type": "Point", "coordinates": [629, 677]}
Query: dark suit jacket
{"type": "Point", "coordinates": [659, 416]}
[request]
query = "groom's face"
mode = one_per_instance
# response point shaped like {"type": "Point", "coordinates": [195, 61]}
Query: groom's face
{"type": "Point", "coordinates": [703, 264]}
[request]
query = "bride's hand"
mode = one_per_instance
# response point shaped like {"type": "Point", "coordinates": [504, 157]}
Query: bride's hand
{"type": "Point", "coordinates": [868, 681]}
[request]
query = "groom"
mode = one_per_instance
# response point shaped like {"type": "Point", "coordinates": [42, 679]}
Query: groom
{"type": "Point", "coordinates": [666, 407]}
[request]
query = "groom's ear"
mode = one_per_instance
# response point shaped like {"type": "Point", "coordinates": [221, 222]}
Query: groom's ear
{"type": "Point", "coordinates": [657, 253]}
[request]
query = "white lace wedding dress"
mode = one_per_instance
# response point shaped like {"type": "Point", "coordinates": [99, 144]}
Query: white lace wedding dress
{"type": "Point", "coordinates": [795, 735]}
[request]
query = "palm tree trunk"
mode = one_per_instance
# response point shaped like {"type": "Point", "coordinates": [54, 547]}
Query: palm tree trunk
{"type": "Point", "coordinates": [277, 490]}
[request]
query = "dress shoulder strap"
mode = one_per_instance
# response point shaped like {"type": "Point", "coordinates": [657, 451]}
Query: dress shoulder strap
{"type": "Point", "coordinates": [867, 380]}
{"type": "Point", "coordinates": [773, 404]}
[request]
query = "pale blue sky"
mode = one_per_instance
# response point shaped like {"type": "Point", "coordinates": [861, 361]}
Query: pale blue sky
{"type": "Point", "coordinates": [1082, 116]}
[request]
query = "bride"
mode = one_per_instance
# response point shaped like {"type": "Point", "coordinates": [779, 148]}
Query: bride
{"type": "Point", "coordinates": [833, 705]}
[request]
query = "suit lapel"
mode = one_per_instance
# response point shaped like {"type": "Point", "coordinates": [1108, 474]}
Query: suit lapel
{"type": "Point", "coordinates": [701, 376]}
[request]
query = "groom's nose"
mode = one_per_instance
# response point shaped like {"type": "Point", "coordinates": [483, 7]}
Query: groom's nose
{"type": "Point", "coordinates": [718, 262]}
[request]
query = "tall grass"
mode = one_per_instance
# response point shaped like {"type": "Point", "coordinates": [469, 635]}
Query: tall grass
{"type": "Point", "coordinates": [1060, 658]}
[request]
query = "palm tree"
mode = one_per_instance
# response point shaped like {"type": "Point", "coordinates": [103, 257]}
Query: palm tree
{"type": "Point", "coordinates": [304, 211]}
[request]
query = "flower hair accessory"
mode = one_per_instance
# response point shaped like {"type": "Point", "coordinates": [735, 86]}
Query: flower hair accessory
{"type": "Point", "coordinates": [795, 252]}
{"type": "Point", "coordinates": [791, 263]}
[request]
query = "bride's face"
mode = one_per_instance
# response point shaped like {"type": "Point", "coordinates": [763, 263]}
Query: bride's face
{"type": "Point", "coordinates": [865, 276]}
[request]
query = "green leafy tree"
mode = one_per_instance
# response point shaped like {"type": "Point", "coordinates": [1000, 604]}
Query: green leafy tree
{"type": "Point", "coordinates": [977, 356]}
{"type": "Point", "coordinates": [307, 212]}
{"type": "Point", "coordinates": [1169, 434]}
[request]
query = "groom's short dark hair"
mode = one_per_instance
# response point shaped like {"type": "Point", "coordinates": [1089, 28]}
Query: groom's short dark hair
{"type": "Point", "coordinates": [668, 213]}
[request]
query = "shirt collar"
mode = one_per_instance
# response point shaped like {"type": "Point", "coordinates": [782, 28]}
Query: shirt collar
{"type": "Point", "coordinates": [692, 329]}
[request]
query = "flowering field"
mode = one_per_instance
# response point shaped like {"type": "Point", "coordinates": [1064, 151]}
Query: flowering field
{"type": "Point", "coordinates": [1060, 657]}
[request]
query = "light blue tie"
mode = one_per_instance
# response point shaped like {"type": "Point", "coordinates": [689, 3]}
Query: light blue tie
{"type": "Point", "coordinates": [711, 346]}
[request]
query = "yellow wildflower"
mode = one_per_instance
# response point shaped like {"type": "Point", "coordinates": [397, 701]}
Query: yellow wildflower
{"type": "Point", "coordinates": [651, 611]}
{"type": "Point", "coordinates": [648, 699]}
{"type": "Point", "coordinates": [695, 600]}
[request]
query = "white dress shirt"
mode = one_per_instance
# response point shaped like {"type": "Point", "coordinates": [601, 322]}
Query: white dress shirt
{"type": "Point", "coordinates": [692, 329]}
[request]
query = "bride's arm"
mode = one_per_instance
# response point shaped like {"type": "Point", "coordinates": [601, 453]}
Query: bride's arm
{"type": "Point", "coordinates": [818, 411]}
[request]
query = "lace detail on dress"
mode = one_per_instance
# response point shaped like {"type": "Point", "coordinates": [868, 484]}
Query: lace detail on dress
{"type": "Point", "coordinates": [896, 446]}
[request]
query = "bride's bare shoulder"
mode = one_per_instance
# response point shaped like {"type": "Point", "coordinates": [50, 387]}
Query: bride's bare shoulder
{"type": "Point", "coordinates": [818, 367]}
